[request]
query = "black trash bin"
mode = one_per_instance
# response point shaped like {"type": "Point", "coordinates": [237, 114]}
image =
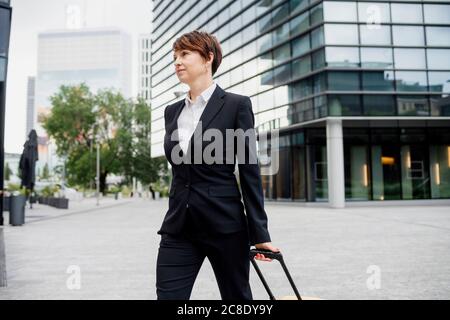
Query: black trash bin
{"type": "Point", "coordinates": [17, 210]}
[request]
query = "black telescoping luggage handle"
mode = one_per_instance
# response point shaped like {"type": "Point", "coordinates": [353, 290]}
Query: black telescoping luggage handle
{"type": "Point", "coordinates": [277, 256]}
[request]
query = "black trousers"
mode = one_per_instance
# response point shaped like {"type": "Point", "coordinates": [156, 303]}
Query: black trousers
{"type": "Point", "coordinates": [181, 256]}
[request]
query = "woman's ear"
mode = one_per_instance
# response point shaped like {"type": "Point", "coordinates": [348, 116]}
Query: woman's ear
{"type": "Point", "coordinates": [211, 57]}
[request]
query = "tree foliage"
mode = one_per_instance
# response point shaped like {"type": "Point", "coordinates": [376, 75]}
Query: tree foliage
{"type": "Point", "coordinates": [81, 121]}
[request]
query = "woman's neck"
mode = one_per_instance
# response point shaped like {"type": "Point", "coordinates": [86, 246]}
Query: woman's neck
{"type": "Point", "coordinates": [198, 87]}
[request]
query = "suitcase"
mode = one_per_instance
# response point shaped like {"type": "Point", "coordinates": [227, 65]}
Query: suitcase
{"type": "Point", "coordinates": [276, 256]}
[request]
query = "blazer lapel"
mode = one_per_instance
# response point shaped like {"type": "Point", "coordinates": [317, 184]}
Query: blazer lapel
{"type": "Point", "coordinates": [213, 106]}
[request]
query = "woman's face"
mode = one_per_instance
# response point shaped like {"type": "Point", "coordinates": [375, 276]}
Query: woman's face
{"type": "Point", "coordinates": [189, 65]}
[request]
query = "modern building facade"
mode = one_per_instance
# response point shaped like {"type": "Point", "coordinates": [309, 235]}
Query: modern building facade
{"type": "Point", "coordinates": [359, 90]}
{"type": "Point", "coordinates": [5, 28]}
{"type": "Point", "coordinates": [144, 57]}
{"type": "Point", "coordinates": [31, 115]}
{"type": "Point", "coordinates": [101, 58]}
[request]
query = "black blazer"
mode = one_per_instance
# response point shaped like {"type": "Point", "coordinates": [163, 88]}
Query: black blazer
{"type": "Point", "coordinates": [211, 191]}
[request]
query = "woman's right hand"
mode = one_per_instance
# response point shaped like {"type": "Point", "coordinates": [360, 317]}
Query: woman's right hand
{"type": "Point", "coordinates": [265, 246]}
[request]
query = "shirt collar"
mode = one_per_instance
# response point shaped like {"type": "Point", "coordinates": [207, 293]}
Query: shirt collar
{"type": "Point", "coordinates": [205, 95]}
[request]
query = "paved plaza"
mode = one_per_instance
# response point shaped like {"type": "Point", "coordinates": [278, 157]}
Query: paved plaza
{"type": "Point", "coordinates": [109, 252]}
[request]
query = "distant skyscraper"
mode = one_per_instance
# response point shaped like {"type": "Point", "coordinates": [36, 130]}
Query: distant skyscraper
{"type": "Point", "coordinates": [30, 106]}
{"type": "Point", "coordinates": [144, 66]}
{"type": "Point", "coordinates": [101, 58]}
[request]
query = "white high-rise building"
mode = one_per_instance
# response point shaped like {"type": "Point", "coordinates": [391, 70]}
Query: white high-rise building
{"type": "Point", "coordinates": [30, 106]}
{"type": "Point", "coordinates": [101, 58]}
{"type": "Point", "coordinates": [144, 84]}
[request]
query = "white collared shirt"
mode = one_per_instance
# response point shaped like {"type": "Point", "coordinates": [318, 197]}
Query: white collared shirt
{"type": "Point", "coordinates": [190, 116]}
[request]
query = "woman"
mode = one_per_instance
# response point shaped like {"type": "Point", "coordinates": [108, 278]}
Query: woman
{"type": "Point", "coordinates": [206, 215]}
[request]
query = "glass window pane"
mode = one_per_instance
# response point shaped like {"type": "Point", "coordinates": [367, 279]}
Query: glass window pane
{"type": "Point", "coordinates": [413, 105]}
{"type": "Point", "coordinates": [343, 81]}
{"type": "Point", "coordinates": [264, 42]}
{"type": "Point", "coordinates": [249, 33]}
{"type": "Point", "coordinates": [236, 75]}
{"type": "Point", "coordinates": [282, 53]}
{"type": "Point", "coordinates": [298, 5]}
{"type": "Point", "coordinates": [438, 59]}
{"type": "Point", "coordinates": [379, 105]}
{"type": "Point", "coordinates": [317, 37]}
{"type": "Point", "coordinates": [409, 58]}
{"type": "Point", "coordinates": [301, 66]}
{"type": "Point", "coordinates": [235, 41]}
{"type": "Point", "coordinates": [439, 81]}
{"type": "Point", "coordinates": [282, 74]}
{"type": "Point", "coordinates": [280, 13]}
{"type": "Point", "coordinates": [4, 31]}
{"type": "Point", "coordinates": [262, 6]}
{"type": "Point", "coordinates": [317, 14]}
{"type": "Point", "coordinates": [411, 80]}
{"type": "Point", "coordinates": [344, 105]}
{"type": "Point", "coordinates": [280, 34]}
{"type": "Point", "coordinates": [406, 13]}
{"type": "Point", "coordinates": [341, 34]}
{"type": "Point", "coordinates": [379, 35]}
{"type": "Point", "coordinates": [300, 45]}
{"type": "Point", "coordinates": [320, 107]}
{"type": "Point", "coordinates": [235, 24]}
{"type": "Point", "coordinates": [319, 83]}
{"type": "Point", "coordinates": [373, 13]}
{"type": "Point", "coordinates": [249, 14]}
{"type": "Point", "coordinates": [301, 89]}
{"type": "Point", "coordinates": [2, 69]}
{"type": "Point", "coordinates": [408, 36]}
{"type": "Point", "coordinates": [318, 59]}
{"type": "Point", "coordinates": [266, 100]}
{"type": "Point", "coordinates": [339, 11]}
{"type": "Point", "coordinates": [264, 23]}
{"type": "Point", "coordinates": [265, 62]}
{"type": "Point", "coordinates": [342, 57]}
{"type": "Point", "coordinates": [440, 106]}
{"type": "Point", "coordinates": [437, 13]}
{"type": "Point", "coordinates": [235, 7]}
{"type": "Point", "coordinates": [267, 80]}
{"type": "Point", "coordinates": [376, 58]}
{"type": "Point", "coordinates": [440, 169]}
{"type": "Point", "coordinates": [378, 80]}
{"type": "Point", "coordinates": [299, 23]}
{"type": "Point", "coordinates": [438, 36]}
{"type": "Point", "coordinates": [249, 50]}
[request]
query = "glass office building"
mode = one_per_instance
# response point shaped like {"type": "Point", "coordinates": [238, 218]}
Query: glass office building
{"type": "Point", "coordinates": [5, 28]}
{"type": "Point", "coordinates": [357, 89]}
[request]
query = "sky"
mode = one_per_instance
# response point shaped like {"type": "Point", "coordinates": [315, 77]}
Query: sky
{"type": "Point", "coordinates": [31, 17]}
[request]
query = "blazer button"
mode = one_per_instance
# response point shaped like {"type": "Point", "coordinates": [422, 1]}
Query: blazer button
{"type": "Point", "coordinates": [187, 205]}
{"type": "Point", "coordinates": [186, 185]}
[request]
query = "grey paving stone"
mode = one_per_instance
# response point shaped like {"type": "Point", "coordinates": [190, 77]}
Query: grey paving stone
{"type": "Point", "coordinates": [329, 252]}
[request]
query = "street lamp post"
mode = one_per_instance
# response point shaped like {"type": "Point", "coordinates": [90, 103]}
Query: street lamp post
{"type": "Point", "coordinates": [98, 173]}
{"type": "Point", "coordinates": [64, 175]}
{"type": "Point", "coordinates": [90, 163]}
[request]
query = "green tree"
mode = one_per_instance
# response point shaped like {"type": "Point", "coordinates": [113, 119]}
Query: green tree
{"type": "Point", "coordinates": [146, 168]}
{"type": "Point", "coordinates": [8, 172]}
{"type": "Point", "coordinates": [71, 124]}
{"type": "Point", "coordinates": [45, 172]}
{"type": "Point", "coordinates": [80, 120]}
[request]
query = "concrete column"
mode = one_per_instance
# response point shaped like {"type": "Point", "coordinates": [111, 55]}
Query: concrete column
{"type": "Point", "coordinates": [335, 164]}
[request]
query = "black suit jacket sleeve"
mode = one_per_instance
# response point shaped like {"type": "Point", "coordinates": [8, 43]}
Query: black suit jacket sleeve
{"type": "Point", "coordinates": [250, 179]}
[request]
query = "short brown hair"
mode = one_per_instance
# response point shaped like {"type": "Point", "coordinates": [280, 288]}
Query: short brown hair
{"type": "Point", "coordinates": [203, 43]}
